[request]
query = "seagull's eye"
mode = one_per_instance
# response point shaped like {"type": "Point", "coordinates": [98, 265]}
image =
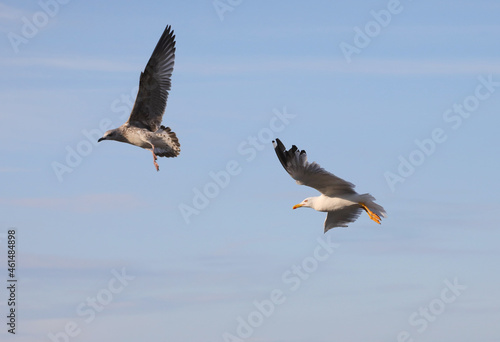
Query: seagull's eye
{"type": "Point", "coordinates": [305, 200]}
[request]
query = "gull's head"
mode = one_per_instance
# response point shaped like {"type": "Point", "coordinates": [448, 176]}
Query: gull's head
{"type": "Point", "coordinates": [305, 203]}
{"type": "Point", "coordinates": [112, 134]}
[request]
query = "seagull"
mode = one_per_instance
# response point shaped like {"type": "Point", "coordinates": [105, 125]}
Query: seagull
{"type": "Point", "coordinates": [338, 198]}
{"type": "Point", "coordinates": [143, 128]}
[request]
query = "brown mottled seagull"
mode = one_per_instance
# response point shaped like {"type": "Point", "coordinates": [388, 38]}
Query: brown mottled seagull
{"type": "Point", "coordinates": [338, 197]}
{"type": "Point", "coordinates": [143, 128]}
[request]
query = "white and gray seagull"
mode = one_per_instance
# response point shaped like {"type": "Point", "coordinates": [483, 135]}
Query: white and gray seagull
{"type": "Point", "coordinates": [143, 128]}
{"type": "Point", "coordinates": [338, 198]}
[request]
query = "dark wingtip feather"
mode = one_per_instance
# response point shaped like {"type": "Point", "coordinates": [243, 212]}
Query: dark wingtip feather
{"type": "Point", "coordinates": [284, 155]}
{"type": "Point", "coordinates": [165, 43]}
{"type": "Point", "coordinates": [281, 152]}
{"type": "Point", "coordinates": [278, 144]}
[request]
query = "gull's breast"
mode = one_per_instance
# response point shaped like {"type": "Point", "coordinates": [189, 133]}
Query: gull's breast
{"type": "Point", "coordinates": [137, 137]}
{"type": "Point", "coordinates": [326, 203]}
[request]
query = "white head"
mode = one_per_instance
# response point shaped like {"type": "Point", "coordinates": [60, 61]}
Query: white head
{"type": "Point", "coordinates": [113, 134]}
{"type": "Point", "coordinates": [305, 203]}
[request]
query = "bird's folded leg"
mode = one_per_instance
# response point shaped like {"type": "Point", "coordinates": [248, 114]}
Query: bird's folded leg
{"type": "Point", "coordinates": [370, 213]}
{"type": "Point", "coordinates": [154, 158]}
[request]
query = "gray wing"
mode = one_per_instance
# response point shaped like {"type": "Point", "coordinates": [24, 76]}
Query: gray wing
{"type": "Point", "coordinates": [311, 174]}
{"type": "Point", "coordinates": [340, 218]}
{"type": "Point", "coordinates": [154, 84]}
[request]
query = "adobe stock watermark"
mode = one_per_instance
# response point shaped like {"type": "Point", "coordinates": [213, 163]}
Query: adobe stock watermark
{"type": "Point", "coordinates": [32, 26]}
{"type": "Point", "coordinates": [364, 35]}
{"type": "Point", "coordinates": [454, 117]}
{"type": "Point", "coordinates": [223, 6]}
{"type": "Point", "coordinates": [292, 279]}
{"type": "Point", "coordinates": [89, 308]}
{"type": "Point", "coordinates": [425, 315]}
{"type": "Point", "coordinates": [248, 149]}
{"type": "Point", "coordinates": [75, 154]}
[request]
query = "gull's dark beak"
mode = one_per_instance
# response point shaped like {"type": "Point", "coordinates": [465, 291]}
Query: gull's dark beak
{"type": "Point", "coordinates": [101, 139]}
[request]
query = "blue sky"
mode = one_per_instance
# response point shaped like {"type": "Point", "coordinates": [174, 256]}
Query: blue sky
{"type": "Point", "coordinates": [411, 117]}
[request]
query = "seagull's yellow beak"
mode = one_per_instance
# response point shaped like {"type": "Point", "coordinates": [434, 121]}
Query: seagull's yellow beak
{"type": "Point", "coordinates": [297, 206]}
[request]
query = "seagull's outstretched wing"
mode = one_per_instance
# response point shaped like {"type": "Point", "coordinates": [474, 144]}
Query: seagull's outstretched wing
{"type": "Point", "coordinates": [341, 217]}
{"type": "Point", "coordinates": [154, 84]}
{"type": "Point", "coordinates": [311, 174]}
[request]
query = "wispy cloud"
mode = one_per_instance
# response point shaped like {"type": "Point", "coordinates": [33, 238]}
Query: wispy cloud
{"type": "Point", "coordinates": [274, 64]}
{"type": "Point", "coordinates": [71, 63]}
{"type": "Point", "coordinates": [366, 66]}
{"type": "Point", "coordinates": [45, 262]}
{"type": "Point", "coordinates": [8, 169]}
{"type": "Point", "coordinates": [10, 18]}
{"type": "Point", "coordinates": [83, 203]}
{"type": "Point", "coordinates": [10, 13]}
{"type": "Point", "coordinates": [445, 30]}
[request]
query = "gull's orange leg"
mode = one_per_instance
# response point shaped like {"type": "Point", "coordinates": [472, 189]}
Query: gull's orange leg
{"type": "Point", "coordinates": [370, 213]}
{"type": "Point", "coordinates": [154, 159]}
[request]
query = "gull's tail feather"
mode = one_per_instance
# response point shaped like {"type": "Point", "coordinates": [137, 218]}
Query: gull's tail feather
{"type": "Point", "coordinates": [172, 147]}
{"type": "Point", "coordinates": [374, 210]}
